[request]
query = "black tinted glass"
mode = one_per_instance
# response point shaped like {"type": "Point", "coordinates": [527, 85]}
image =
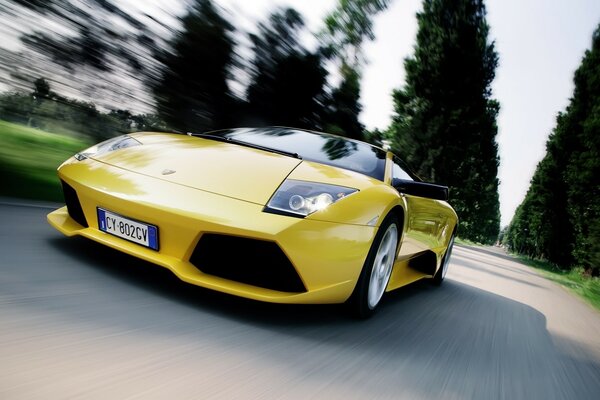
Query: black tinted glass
{"type": "Point", "coordinates": [318, 147]}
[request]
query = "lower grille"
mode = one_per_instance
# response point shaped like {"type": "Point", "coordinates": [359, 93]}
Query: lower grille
{"type": "Point", "coordinates": [255, 262]}
{"type": "Point", "coordinates": [73, 205]}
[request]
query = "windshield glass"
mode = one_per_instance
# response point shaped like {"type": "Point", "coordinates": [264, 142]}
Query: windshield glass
{"type": "Point", "coordinates": [313, 146]}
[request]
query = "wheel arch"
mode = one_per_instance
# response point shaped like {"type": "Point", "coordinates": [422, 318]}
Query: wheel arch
{"type": "Point", "coordinates": [399, 216]}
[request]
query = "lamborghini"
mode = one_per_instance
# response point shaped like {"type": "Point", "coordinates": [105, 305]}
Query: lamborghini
{"type": "Point", "coordinates": [273, 214]}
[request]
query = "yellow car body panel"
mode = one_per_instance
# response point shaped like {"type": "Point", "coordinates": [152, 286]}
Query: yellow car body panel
{"type": "Point", "coordinates": [193, 157]}
{"type": "Point", "coordinates": [327, 248]}
{"type": "Point", "coordinates": [420, 237]}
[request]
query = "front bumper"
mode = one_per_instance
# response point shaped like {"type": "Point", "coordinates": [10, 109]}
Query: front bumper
{"type": "Point", "coordinates": [328, 257]}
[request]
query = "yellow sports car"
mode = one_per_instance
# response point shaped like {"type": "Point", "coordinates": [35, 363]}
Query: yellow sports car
{"type": "Point", "coordinates": [274, 214]}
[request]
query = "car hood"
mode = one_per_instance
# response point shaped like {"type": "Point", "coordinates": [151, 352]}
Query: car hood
{"type": "Point", "coordinates": [227, 169]}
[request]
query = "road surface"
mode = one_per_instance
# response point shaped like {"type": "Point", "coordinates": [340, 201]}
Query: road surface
{"type": "Point", "coordinates": [78, 320]}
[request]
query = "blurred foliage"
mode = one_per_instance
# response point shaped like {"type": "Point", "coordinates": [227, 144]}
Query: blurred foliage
{"type": "Point", "coordinates": [287, 85]}
{"type": "Point", "coordinates": [91, 48]}
{"type": "Point", "coordinates": [193, 93]}
{"type": "Point", "coordinates": [559, 219]}
{"type": "Point", "coordinates": [445, 119]}
{"type": "Point", "coordinates": [346, 28]}
{"type": "Point", "coordinates": [37, 5]}
{"type": "Point", "coordinates": [343, 106]}
{"type": "Point", "coordinates": [378, 137]}
{"type": "Point", "coordinates": [99, 39]}
{"type": "Point", "coordinates": [29, 158]}
{"type": "Point", "coordinates": [47, 110]}
{"type": "Point", "coordinates": [98, 51]}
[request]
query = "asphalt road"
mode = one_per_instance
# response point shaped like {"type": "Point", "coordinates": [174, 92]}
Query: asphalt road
{"type": "Point", "coordinates": [78, 320]}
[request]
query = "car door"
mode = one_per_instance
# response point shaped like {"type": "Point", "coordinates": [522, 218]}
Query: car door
{"type": "Point", "coordinates": [426, 219]}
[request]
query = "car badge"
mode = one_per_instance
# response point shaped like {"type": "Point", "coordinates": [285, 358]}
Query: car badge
{"type": "Point", "coordinates": [168, 171]}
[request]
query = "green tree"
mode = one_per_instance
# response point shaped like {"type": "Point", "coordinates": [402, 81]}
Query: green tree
{"type": "Point", "coordinates": [45, 109]}
{"type": "Point", "coordinates": [192, 93]}
{"type": "Point", "coordinates": [346, 28]}
{"type": "Point", "coordinates": [149, 123]}
{"type": "Point", "coordinates": [541, 227]}
{"type": "Point", "coordinates": [288, 82]}
{"type": "Point", "coordinates": [445, 119]}
{"type": "Point", "coordinates": [559, 218]}
{"type": "Point", "coordinates": [582, 123]}
{"type": "Point", "coordinates": [42, 89]}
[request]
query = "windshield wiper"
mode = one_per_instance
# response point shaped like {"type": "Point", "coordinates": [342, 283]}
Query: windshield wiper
{"type": "Point", "coordinates": [242, 143]}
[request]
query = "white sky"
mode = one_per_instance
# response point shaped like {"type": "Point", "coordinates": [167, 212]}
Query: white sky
{"type": "Point", "coordinates": [540, 42]}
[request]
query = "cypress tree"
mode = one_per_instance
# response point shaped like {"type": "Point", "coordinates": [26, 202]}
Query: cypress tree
{"type": "Point", "coordinates": [582, 174]}
{"type": "Point", "coordinates": [445, 118]}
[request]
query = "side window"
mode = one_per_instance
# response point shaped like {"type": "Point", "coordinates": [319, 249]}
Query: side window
{"type": "Point", "coordinates": [398, 172]}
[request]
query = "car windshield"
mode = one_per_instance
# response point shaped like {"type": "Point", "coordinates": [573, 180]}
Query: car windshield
{"type": "Point", "coordinates": [313, 146]}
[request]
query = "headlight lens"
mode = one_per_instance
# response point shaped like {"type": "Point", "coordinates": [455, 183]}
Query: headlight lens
{"type": "Point", "coordinates": [301, 198]}
{"type": "Point", "coordinates": [119, 142]}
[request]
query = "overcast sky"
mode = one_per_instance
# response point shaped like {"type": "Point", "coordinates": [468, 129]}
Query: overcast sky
{"type": "Point", "coordinates": [540, 42]}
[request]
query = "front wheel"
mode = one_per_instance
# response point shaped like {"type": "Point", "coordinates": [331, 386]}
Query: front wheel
{"type": "Point", "coordinates": [440, 275]}
{"type": "Point", "coordinates": [377, 270]}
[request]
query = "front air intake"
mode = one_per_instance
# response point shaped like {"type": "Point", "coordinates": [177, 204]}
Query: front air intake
{"type": "Point", "coordinates": [73, 205]}
{"type": "Point", "coordinates": [254, 262]}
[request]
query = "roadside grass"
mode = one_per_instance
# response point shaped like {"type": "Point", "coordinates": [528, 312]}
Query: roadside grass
{"type": "Point", "coordinates": [575, 280]}
{"type": "Point", "coordinates": [466, 242]}
{"type": "Point", "coordinates": [29, 158]}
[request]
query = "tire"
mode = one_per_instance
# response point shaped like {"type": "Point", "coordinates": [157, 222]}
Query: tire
{"type": "Point", "coordinates": [440, 275]}
{"type": "Point", "coordinates": [377, 269]}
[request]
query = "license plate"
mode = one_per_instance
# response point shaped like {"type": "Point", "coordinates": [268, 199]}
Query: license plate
{"type": "Point", "coordinates": [128, 229]}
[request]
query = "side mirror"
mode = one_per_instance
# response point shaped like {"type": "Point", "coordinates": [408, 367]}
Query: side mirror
{"type": "Point", "coordinates": [421, 189]}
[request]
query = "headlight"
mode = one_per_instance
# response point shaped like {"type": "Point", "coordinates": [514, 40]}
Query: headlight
{"type": "Point", "coordinates": [300, 198]}
{"type": "Point", "coordinates": [120, 142]}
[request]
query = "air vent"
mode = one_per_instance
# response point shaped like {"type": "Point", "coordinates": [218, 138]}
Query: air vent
{"type": "Point", "coordinates": [254, 262]}
{"type": "Point", "coordinates": [73, 205]}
